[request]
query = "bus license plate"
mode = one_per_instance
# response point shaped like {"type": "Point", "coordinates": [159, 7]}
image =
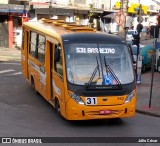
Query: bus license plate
{"type": "Point", "coordinates": [105, 112]}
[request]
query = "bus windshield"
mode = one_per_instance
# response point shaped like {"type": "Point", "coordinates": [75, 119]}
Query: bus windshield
{"type": "Point", "coordinates": [98, 64]}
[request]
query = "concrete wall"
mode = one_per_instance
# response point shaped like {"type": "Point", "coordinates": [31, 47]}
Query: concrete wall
{"type": "Point", "coordinates": [4, 34]}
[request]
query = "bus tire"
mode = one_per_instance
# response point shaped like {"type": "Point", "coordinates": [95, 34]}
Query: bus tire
{"type": "Point", "coordinates": [33, 86]}
{"type": "Point", "coordinates": [57, 106]}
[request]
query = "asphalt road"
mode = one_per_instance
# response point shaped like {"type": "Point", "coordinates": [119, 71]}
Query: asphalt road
{"type": "Point", "coordinates": [22, 113]}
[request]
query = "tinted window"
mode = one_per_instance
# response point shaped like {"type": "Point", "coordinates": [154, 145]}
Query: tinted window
{"type": "Point", "coordinates": [130, 32]}
{"type": "Point", "coordinates": [82, 60]}
{"type": "Point", "coordinates": [58, 63]}
{"type": "Point", "coordinates": [33, 42]}
{"type": "Point", "coordinates": [41, 48]}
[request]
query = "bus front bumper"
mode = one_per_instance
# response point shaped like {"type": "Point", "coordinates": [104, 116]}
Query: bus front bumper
{"type": "Point", "coordinates": [76, 111]}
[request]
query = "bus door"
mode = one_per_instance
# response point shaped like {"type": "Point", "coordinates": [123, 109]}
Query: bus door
{"type": "Point", "coordinates": [24, 53]}
{"type": "Point", "coordinates": [57, 78]}
{"type": "Point", "coordinates": [42, 60]}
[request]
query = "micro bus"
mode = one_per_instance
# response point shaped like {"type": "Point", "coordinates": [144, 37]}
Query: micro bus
{"type": "Point", "coordinates": [84, 74]}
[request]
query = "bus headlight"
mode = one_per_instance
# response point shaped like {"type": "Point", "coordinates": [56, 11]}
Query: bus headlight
{"type": "Point", "coordinates": [129, 97]}
{"type": "Point", "coordinates": [77, 98]}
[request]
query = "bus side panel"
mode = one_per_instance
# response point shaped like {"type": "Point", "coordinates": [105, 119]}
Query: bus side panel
{"type": "Point", "coordinates": [47, 67]}
{"type": "Point", "coordinates": [24, 53]}
{"type": "Point", "coordinates": [58, 91]}
{"type": "Point", "coordinates": [34, 73]}
{"type": "Point", "coordinates": [58, 81]}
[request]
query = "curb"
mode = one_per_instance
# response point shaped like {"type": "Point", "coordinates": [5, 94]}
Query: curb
{"type": "Point", "coordinates": [147, 113]}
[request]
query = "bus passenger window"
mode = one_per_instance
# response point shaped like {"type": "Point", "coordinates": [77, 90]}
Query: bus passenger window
{"type": "Point", "coordinates": [41, 48]}
{"type": "Point", "coordinates": [58, 66]}
{"type": "Point", "coordinates": [33, 42]}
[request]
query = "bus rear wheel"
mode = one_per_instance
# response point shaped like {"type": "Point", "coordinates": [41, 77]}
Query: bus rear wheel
{"type": "Point", "coordinates": [57, 106]}
{"type": "Point", "coordinates": [34, 87]}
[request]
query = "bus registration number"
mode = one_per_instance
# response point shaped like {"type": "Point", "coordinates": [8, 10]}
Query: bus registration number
{"type": "Point", "coordinates": [91, 100]}
{"type": "Point", "coordinates": [105, 112]}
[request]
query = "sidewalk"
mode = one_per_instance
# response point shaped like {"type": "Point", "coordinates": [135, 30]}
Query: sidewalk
{"type": "Point", "coordinates": [143, 94]}
{"type": "Point", "coordinates": [143, 89]}
{"type": "Point", "coordinates": [9, 54]}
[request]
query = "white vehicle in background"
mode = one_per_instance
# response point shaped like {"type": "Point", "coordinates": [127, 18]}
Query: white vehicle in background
{"type": "Point", "coordinates": [134, 51]}
{"type": "Point", "coordinates": [129, 36]}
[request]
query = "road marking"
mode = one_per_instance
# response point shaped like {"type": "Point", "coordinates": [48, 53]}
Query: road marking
{"type": "Point", "coordinates": [17, 73]}
{"type": "Point", "coordinates": [11, 63]}
{"type": "Point", "coordinates": [5, 71]}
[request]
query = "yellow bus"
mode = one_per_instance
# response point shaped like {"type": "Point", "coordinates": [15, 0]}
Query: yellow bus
{"type": "Point", "coordinates": [84, 74]}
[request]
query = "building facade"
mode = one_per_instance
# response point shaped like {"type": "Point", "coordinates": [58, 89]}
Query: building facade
{"type": "Point", "coordinates": [100, 13]}
{"type": "Point", "coordinates": [103, 11]}
{"type": "Point", "coordinates": [12, 13]}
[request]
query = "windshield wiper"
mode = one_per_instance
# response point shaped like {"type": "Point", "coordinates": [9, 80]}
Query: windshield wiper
{"type": "Point", "coordinates": [94, 73]}
{"type": "Point", "coordinates": [113, 75]}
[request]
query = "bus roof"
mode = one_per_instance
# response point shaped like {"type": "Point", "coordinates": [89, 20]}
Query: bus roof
{"type": "Point", "coordinates": [70, 33]}
{"type": "Point", "coordinates": [47, 28]}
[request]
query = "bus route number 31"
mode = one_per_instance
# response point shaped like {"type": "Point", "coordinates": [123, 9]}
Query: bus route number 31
{"type": "Point", "coordinates": [91, 100]}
